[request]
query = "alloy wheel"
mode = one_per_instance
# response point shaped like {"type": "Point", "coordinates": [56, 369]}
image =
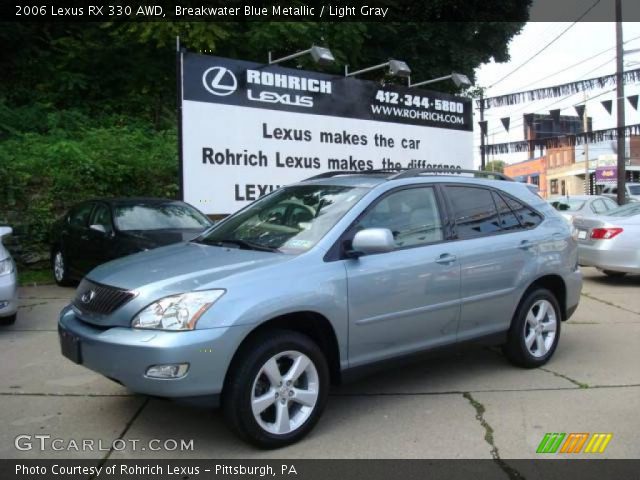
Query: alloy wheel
{"type": "Point", "coordinates": [285, 392]}
{"type": "Point", "coordinates": [58, 267]}
{"type": "Point", "coordinates": [540, 328]}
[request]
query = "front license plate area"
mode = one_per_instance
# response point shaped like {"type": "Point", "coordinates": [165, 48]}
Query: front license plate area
{"type": "Point", "coordinates": [70, 346]}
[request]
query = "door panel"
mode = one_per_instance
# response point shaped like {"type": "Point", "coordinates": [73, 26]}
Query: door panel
{"type": "Point", "coordinates": [407, 299]}
{"type": "Point", "coordinates": [76, 242]}
{"type": "Point", "coordinates": [100, 247]}
{"type": "Point", "coordinates": [497, 252]}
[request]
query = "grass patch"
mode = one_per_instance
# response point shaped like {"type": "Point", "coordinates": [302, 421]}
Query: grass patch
{"type": "Point", "coordinates": [27, 278]}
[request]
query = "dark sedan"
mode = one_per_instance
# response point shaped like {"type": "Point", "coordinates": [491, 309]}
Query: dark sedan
{"type": "Point", "coordinates": [96, 231]}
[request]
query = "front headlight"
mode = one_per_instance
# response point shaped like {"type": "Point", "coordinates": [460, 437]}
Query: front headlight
{"type": "Point", "coordinates": [6, 266]}
{"type": "Point", "coordinates": [177, 312]}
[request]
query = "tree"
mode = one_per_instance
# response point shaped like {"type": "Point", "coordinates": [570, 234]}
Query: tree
{"type": "Point", "coordinates": [495, 166]}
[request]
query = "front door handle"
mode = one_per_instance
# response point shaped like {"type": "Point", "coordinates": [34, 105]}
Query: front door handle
{"type": "Point", "coordinates": [526, 244]}
{"type": "Point", "coordinates": [446, 259]}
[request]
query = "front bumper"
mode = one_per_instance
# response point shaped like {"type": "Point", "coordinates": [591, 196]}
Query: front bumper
{"type": "Point", "coordinates": [8, 294]}
{"type": "Point", "coordinates": [125, 354]}
{"type": "Point", "coordinates": [616, 260]}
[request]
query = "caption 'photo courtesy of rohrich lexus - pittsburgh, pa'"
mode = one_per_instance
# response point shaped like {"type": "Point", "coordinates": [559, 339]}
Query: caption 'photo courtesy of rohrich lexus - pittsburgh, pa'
{"type": "Point", "coordinates": [320, 240]}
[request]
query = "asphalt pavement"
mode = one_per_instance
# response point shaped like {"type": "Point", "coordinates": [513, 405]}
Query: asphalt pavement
{"type": "Point", "coordinates": [465, 405]}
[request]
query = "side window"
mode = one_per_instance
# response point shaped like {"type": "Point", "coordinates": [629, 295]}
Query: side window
{"type": "Point", "coordinates": [79, 216]}
{"type": "Point", "coordinates": [411, 214]}
{"type": "Point", "coordinates": [597, 206]}
{"type": "Point", "coordinates": [474, 211]}
{"type": "Point", "coordinates": [102, 216]}
{"type": "Point", "coordinates": [527, 216]}
{"type": "Point", "coordinates": [508, 220]}
{"type": "Point", "coordinates": [609, 204]}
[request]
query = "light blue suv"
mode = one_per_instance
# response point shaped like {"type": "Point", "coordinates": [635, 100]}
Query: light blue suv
{"type": "Point", "coordinates": [319, 282]}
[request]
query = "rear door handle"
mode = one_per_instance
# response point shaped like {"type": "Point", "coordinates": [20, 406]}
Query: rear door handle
{"type": "Point", "coordinates": [446, 259]}
{"type": "Point", "coordinates": [526, 244]}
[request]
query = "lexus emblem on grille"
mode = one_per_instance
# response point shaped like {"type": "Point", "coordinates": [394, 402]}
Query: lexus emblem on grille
{"type": "Point", "coordinates": [88, 296]}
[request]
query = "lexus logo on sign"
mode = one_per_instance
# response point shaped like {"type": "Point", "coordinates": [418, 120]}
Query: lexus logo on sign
{"type": "Point", "coordinates": [219, 81]}
{"type": "Point", "coordinates": [88, 296]}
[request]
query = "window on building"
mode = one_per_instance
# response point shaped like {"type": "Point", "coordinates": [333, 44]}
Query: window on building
{"type": "Point", "coordinates": [553, 186]}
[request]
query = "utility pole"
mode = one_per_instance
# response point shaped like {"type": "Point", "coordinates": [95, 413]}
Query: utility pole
{"type": "Point", "coordinates": [585, 129]}
{"type": "Point", "coordinates": [620, 107]}
{"type": "Point", "coordinates": [482, 154]}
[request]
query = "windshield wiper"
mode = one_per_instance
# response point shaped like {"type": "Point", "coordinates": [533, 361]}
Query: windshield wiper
{"type": "Point", "coordinates": [243, 244]}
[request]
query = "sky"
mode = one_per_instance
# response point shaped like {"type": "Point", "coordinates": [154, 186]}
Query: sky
{"type": "Point", "coordinates": [565, 60]}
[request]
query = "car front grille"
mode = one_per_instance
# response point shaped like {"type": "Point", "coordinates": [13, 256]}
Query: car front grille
{"type": "Point", "coordinates": [100, 299]}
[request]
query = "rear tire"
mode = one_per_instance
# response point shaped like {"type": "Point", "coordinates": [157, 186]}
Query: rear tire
{"type": "Point", "coordinates": [276, 389]}
{"type": "Point", "coordinates": [612, 274]}
{"type": "Point", "coordinates": [59, 269]}
{"type": "Point", "coordinates": [535, 330]}
{"type": "Point", "coordinates": [10, 320]}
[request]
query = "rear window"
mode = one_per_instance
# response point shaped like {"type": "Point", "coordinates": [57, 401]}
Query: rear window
{"type": "Point", "coordinates": [528, 217]}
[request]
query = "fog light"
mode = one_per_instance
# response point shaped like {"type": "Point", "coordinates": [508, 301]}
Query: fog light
{"type": "Point", "coordinates": [174, 370]}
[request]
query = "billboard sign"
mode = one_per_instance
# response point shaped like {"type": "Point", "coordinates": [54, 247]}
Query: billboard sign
{"type": "Point", "coordinates": [249, 128]}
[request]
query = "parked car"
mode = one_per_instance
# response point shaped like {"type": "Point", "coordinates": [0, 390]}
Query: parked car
{"type": "Point", "coordinates": [8, 282]}
{"type": "Point", "coordinates": [632, 191]}
{"type": "Point", "coordinates": [610, 242]}
{"type": "Point", "coordinates": [570, 206]}
{"type": "Point", "coordinates": [96, 231]}
{"type": "Point", "coordinates": [262, 312]}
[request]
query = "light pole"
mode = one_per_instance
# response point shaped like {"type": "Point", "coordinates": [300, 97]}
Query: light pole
{"type": "Point", "coordinates": [620, 107]}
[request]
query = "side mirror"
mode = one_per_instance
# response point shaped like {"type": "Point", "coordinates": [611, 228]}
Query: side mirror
{"type": "Point", "coordinates": [5, 231]}
{"type": "Point", "coordinates": [98, 228]}
{"type": "Point", "coordinates": [373, 240]}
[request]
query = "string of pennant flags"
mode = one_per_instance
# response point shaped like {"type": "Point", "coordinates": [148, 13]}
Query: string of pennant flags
{"type": "Point", "coordinates": [555, 113]}
{"type": "Point", "coordinates": [564, 141]}
{"type": "Point", "coordinates": [562, 90]}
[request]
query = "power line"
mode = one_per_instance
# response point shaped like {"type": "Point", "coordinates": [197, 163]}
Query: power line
{"type": "Point", "coordinates": [547, 45]}
{"type": "Point", "coordinates": [564, 69]}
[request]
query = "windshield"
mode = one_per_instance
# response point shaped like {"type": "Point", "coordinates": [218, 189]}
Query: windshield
{"type": "Point", "coordinates": [290, 220]}
{"type": "Point", "coordinates": [568, 205]}
{"type": "Point", "coordinates": [627, 210]}
{"type": "Point", "coordinates": [172, 215]}
{"type": "Point", "coordinates": [634, 189]}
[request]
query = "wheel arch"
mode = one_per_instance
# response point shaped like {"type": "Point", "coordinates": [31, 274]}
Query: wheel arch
{"type": "Point", "coordinates": [556, 285]}
{"type": "Point", "coordinates": [312, 324]}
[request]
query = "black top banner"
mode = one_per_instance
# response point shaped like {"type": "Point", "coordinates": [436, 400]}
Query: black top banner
{"type": "Point", "coordinates": [234, 82]}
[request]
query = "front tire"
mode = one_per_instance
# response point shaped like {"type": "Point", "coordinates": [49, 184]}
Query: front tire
{"type": "Point", "coordinates": [10, 320]}
{"type": "Point", "coordinates": [535, 330]}
{"type": "Point", "coordinates": [59, 269]}
{"type": "Point", "coordinates": [276, 389]}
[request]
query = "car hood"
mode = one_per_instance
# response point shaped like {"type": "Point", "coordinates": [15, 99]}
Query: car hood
{"type": "Point", "coordinates": [158, 238]}
{"type": "Point", "coordinates": [183, 266]}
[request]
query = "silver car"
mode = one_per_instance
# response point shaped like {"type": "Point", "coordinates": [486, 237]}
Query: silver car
{"type": "Point", "coordinates": [322, 281]}
{"type": "Point", "coordinates": [8, 282]}
{"type": "Point", "coordinates": [585, 205]}
{"type": "Point", "coordinates": [610, 242]}
{"type": "Point", "coordinates": [632, 191]}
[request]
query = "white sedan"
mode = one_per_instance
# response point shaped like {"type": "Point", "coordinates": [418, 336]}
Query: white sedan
{"type": "Point", "coordinates": [8, 282]}
{"type": "Point", "coordinates": [610, 242]}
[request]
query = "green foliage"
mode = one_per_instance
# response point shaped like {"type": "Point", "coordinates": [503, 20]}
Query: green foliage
{"type": "Point", "coordinates": [495, 166]}
{"type": "Point", "coordinates": [42, 174]}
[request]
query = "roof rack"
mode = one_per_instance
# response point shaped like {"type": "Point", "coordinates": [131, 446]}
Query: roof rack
{"type": "Point", "coordinates": [335, 173]}
{"type": "Point", "coordinates": [414, 172]}
{"type": "Point", "coordinates": [395, 174]}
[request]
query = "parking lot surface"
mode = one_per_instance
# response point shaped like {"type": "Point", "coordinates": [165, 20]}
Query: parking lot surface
{"type": "Point", "coordinates": [465, 405]}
